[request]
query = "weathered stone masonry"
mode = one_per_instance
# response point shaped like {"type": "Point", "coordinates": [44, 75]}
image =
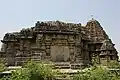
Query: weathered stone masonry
{"type": "Point", "coordinates": [57, 41]}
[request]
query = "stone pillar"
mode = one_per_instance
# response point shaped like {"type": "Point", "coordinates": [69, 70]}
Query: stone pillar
{"type": "Point", "coordinates": [11, 54]}
{"type": "Point", "coordinates": [86, 53]}
{"type": "Point", "coordinates": [78, 44]}
{"type": "Point", "coordinates": [72, 53]}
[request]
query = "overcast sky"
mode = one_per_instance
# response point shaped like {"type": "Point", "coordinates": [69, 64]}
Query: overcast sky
{"type": "Point", "coordinates": [18, 14]}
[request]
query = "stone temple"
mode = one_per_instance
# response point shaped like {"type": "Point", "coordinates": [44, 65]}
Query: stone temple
{"type": "Point", "coordinates": [58, 41]}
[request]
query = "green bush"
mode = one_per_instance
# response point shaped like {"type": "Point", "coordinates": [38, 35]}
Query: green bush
{"type": "Point", "coordinates": [40, 71]}
{"type": "Point", "coordinates": [114, 65]}
{"type": "Point", "coordinates": [2, 66]}
{"type": "Point", "coordinates": [32, 71]}
{"type": "Point", "coordinates": [96, 73]}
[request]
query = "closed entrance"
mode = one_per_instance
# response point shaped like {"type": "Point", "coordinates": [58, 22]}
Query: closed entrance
{"type": "Point", "coordinates": [60, 53]}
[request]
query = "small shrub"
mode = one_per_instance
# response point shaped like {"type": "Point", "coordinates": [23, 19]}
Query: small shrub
{"type": "Point", "coordinates": [34, 71]}
{"type": "Point", "coordinates": [2, 66]}
{"type": "Point", "coordinates": [96, 73]}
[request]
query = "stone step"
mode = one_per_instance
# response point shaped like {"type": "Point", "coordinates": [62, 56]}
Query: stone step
{"type": "Point", "coordinates": [64, 65]}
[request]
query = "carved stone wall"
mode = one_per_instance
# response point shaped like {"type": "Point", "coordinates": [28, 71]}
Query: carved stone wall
{"type": "Point", "coordinates": [59, 42]}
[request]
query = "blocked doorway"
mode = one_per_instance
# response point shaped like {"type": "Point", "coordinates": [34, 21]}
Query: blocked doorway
{"type": "Point", "coordinates": [60, 53]}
